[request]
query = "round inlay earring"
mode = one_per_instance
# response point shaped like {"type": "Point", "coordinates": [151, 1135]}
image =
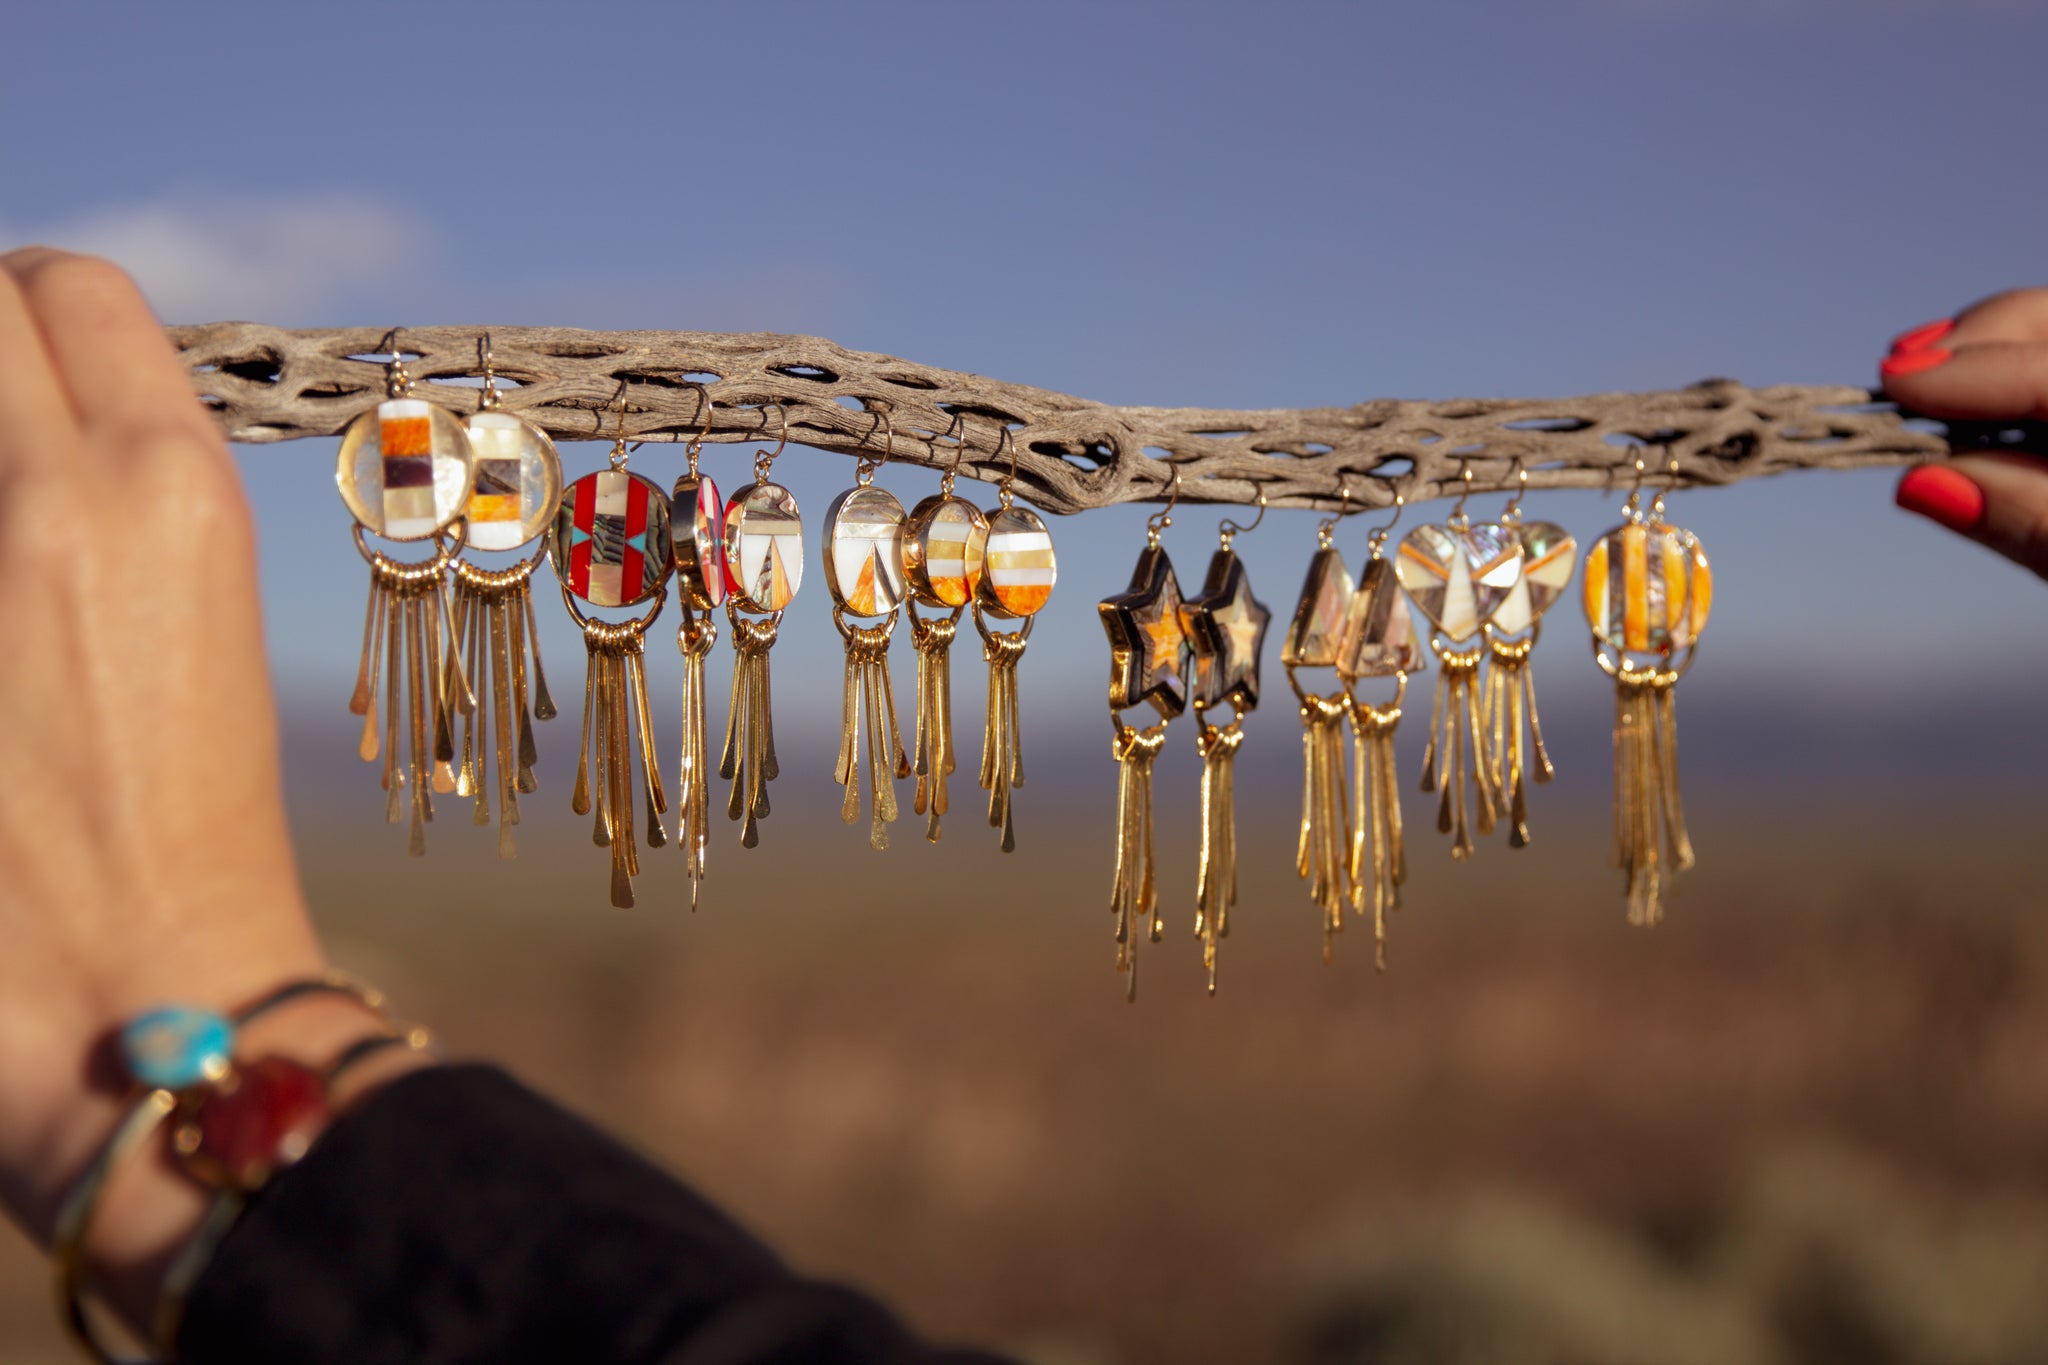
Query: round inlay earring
{"type": "Point", "coordinates": [515, 493]}
{"type": "Point", "coordinates": [1017, 579]}
{"type": "Point", "coordinates": [1148, 649]}
{"type": "Point", "coordinates": [699, 523]}
{"type": "Point", "coordinates": [1226, 630]}
{"type": "Point", "coordinates": [611, 548]}
{"type": "Point", "coordinates": [1508, 706]}
{"type": "Point", "coordinates": [864, 573]}
{"type": "Point", "coordinates": [1458, 575]}
{"type": "Point", "coordinates": [764, 564]}
{"type": "Point", "coordinates": [1378, 641]}
{"type": "Point", "coordinates": [1648, 589]}
{"type": "Point", "coordinates": [405, 471]}
{"type": "Point", "coordinates": [945, 550]}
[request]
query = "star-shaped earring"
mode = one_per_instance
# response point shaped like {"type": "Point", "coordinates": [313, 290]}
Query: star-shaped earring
{"type": "Point", "coordinates": [1146, 638]}
{"type": "Point", "coordinates": [1226, 628]}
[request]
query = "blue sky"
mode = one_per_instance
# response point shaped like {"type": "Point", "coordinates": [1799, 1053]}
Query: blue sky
{"type": "Point", "coordinates": [1147, 203]}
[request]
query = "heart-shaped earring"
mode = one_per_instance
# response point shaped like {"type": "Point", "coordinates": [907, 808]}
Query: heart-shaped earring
{"type": "Point", "coordinates": [1458, 576]}
{"type": "Point", "coordinates": [1549, 554]}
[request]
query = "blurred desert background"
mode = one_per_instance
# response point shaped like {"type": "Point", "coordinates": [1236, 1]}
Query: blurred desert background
{"type": "Point", "coordinates": [1804, 1121]}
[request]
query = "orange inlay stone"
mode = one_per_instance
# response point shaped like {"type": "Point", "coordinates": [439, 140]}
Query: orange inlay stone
{"type": "Point", "coordinates": [406, 436]}
{"type": "Point", "coordinates": [1024, 600]}
{"type": "Point", "coordinates": [1635, 588]}
{"type": "Point", "coordinates": [1594, 587]}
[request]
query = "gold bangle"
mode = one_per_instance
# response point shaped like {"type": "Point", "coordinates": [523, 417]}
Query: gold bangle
{"type": "Point", "coordinates": [227, 1206]}
{"type": "Point", "coordinates": [145, 1116]}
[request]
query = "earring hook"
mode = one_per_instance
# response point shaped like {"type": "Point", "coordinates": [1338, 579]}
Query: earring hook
{"type": "Point", "coordinates": [1511, 515]}
{"type": "Point", "coordinates": [864, 468]}
{"type": "Point", "coordinates": [1657, 503]}
{"type": "Point", "coordinates": [1378, 539]}
{"type": "Point", "coordinates": [1458, 517]}
{"type": "Point", "coordinates": [1230, 530]}
{"type": "Point", "coordinates": [766, 460]}
{"type": "Point", "coordinates": [1163, 518]}
{"type": "Point", "coordinates": [489, 398]}
{"type": "Point", "coordinates": [1328, 525]}
{"type": "Point", "coordinates": [397, 383]}
{"type": "Point", "coordinates": [1005, 491]}
{"type": "Point", "coordinates": [696, 446]}
{"type": "Point", "coordinates": [618, 452]}
{"type": "Point", "coordinates": [959, 454]}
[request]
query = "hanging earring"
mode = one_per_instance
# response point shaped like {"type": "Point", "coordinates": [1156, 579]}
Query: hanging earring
{"type": "Point", "coordinates": [611, 548]}
{"type": "Point", "coordinates": [864, 573]}
{"type": "Point", "coordinates": [1549, 555]}
{"type": "Point", "coordinates": [1378, 641]}
{"type": "Point", "coordinates": [1648, 589]}
{"type": "Point", "coordinates": [764, 562]}
{"type": "Point", "coordinates": [517, 489]}
{"type": "Point", "coordinates": [1313, 637]}
{"type": "Point", "coordinates": [1458, 575]}
{"type": "Point", "coordinates": [698, 518]}
{"type": "Point", "coordinates": [1226, 629]}
{"type": "Point", "coordinates": [405, 471]}
{"type": "Point", "coordinates": [945, 549]}
{"type": "Point", "coordinates": [1016, 585]}
{"type": "Point", "coordinates": [1148, 649]}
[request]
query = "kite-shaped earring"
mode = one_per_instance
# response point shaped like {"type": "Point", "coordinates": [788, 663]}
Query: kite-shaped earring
{"type": "Point", "coordinates": [1378, 641]}
{"type": "Point", "coordinates": [945, 552]}
{"type": "Point", "coordinates": [1508, 708]}
{"type": "Point", "coordinates": [1148, 664]}
{"type": "Point", "coordinates": [864, 573]}
{"type": "Point", "coordinates": [518, 487]}
{"type": "Point", "coordinates": [1226, 629]}
{"type": "Point", "coordinates": [1313, 636]}
{"type": "Point", "coordinates": [1648, 589]}
{"type": "Point", "coordinates": [697, 515]}
{"type": "Point", "coordinates": [406, 470]}
{"type": "Point", "coordinates": [611, 548]}
{"type": "Point", "coordinates": [1458, 575]}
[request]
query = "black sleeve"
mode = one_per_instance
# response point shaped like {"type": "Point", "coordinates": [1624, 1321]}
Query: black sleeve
{"type": "Point", "coordinates": [455, 1216]}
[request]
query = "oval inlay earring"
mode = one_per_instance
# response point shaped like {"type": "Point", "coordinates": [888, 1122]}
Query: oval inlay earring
{"type": "Point", "coordinates": [1016, 582]}
{"type": "Point", "coordinates": [611, 548]}
{"type": "Point", "coordinates": [864, 573]}
{"type": "Point", "coordinates": [1226, 631]}
{"type": "Point", "coordinates": [1148, 652]}
{"type": "Point", "coordinates": [1313, 637]}
{"type": "Point", "coordinates": [1378, 641]}
{"type": "Point", "coordinates": [405, 471]}
{"type": "Point", "coordinates": [1458, 575]}
{"type": "Point", "coordinates": [945, 551]}
{"type": "Point", "coordinates": [1648, 589]}
{"type": "Point", "coordinates": [514, 496]}
{"type": "Point", "coordinates": [697, 519]}
{"type": "Point", "coordinates": [764, 565]}
{"type": "Point", "coordinates": [1508, 707]}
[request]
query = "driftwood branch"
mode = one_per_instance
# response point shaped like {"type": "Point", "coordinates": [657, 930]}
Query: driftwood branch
{"type": "Point", "coordinates": [268, 384]}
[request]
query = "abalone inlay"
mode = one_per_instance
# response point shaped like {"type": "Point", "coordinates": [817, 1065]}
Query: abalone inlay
{"type": "Point", "coordinates": [1549, 554]}
{"type": "Point", "coordinates": [864, 551]}
{"type": "Point", "coordinates": [405, 469]}
{"type": "Point", "coordinates": [1318, 622]}
{"type": "Point", "coordinates": [611, 544]}
{"type": "Point", "coordinates": [1648, 589]}
{"type": "Point", "coordinates": [517, 484]}
{"type": "Point", "coordinates": [1021, 569]}
{"type": "Point", "coordinates": [945, 551]}
{"type": "Point", "coordinates": [1458, 577]}
{"type": "Point", "coordinates": [764, 547]}
{"type": "Point", "coordinates": [698, 514]}
{"type": "Point", "coordinates": [1378, 639]}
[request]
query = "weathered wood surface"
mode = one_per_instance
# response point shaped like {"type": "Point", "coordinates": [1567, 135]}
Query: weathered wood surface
{"type": "Point", "coordinates": [269, 384]}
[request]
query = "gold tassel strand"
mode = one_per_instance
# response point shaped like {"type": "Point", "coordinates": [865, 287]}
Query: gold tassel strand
{"type": "Point", "coordinates": [1379, 861]}
{"type": "Point", "coordinates": [1516, 732]}
{"type": "Point", "coordinates": [615, 722]}
{"type": "Point", "coordinates": [1134, 895]}
{"type": "Point", "coordinates": [868, 689]}
{"type": "Point", "coordinates": [402, 666]}
{"type": "Point", "coordinates": [749, 757]}
{"type": "Point", "coordinates": [1002, 745]}
{"type": "Point", "coordinates": [1321, 853]}
{"type": "Point", "coordinates": [1456, 755]}
{"type": "Point", "coordinates": [1216, 874]}
{"type": "Point", "coordinates": [694, 639]}
{"type": "Point", "coordinates": [933, 640]}
{"type": "Point", "coordinates": [494, 620]}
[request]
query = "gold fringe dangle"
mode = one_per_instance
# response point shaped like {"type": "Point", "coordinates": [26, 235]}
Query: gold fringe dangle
{"type": "Point", "coordinates": [1002, 745]}
{"type": "Point", "coordinates": [1134, 894]}
{"type": "Point", "coordinates": [1649, 821]}
{"type": "Point", "coordinates": [1456, 753]}
{"type": "Point", "coordinates": [615, 720]}
{"type": "Point", "coordinates": [749, 757]}
{"type": "Point", "coordinates": [404, 626]}
{"type": "Point", "coordinates": [932, 638]}
{"type": "Point", "coordinates": [869, 691]}
{"type": "Point", "coordinates": [494, 624]}
{"type": "Point", "coordinates": [1379, 860]}
{"type": "Point", "coordinates": [1322, 853]}
{"type": "Point", "coordinates": [694, 639]}
{"type": "Point", "coordinates": [1216, 874]}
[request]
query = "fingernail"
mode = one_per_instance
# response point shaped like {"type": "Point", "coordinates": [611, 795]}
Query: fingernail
{"type": "Point", "coordinates": [1923, 336]}
{"type": "Point", "coordinates": [1943, 496]}
{"type": "Point", "coordinates": [1913, 362]}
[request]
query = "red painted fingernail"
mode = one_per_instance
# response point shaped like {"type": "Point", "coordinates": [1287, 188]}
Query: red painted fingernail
{"type": "Point", "coordinates": [1923, 336]}
{"type": "Point", "coordinates": [1913, 362]}
{"type": "Point", "coordinates": [1942, 496]}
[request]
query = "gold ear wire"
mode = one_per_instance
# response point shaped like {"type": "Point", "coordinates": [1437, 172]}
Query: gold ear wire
{"type": "Point", "coordinates": [1328, 525]}
{"type": "Point", "coordinates": [696, 446]}
{"type": "Point", "coordinates": [1458, 508]}
{"type": "Point", "coordinates": [1230, 530]}
{"type": "Point", "coordinates": [489, 398]}
{"type": "Point", "coordinates": [959, 454]}
{"type": "Point", "coordinates": [1512, 513]}
{"type": "Point", "coordinates": [618, 451]}
{"type": "Point", "coordinates": [1005, 491]}
{"type": "Point", "coordinates": [1163, 518]}
{"type": "Point", "coordinates": [765, 461]}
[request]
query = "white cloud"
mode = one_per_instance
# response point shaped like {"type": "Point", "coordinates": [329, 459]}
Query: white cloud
{"type": "Point", "coordinates": [268, 259]}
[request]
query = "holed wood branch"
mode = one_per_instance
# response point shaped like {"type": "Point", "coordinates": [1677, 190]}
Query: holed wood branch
{"type": "Point", "coordinates": [270, 384]}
